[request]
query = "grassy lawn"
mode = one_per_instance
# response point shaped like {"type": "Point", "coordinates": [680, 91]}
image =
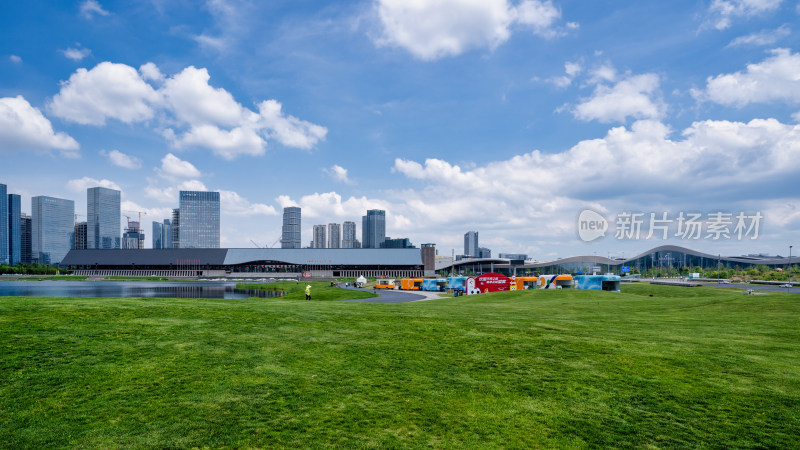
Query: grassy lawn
{"type": "Point", "coordinates": [320, 290]}
{"type": "Point", "coordinates": [655, 366]}
{"type": "Point", "coordinates": [54, 278]}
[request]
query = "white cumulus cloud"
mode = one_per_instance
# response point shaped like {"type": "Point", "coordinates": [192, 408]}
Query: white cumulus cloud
{"type": "Point", "coordinates": [723, 12]}
{"type": "Point", "coordinates": [91, 7]}
{"type": "Point", "coordinates": [774, 79]}
{"type": "Point", "coordinates": [236, 205]}
{"type": "Point", "coordinates": [23, 127]}
{"type": "Point", "coordinates": [338, 173]}
{"type": "Point", "coordinates": [76, 54]}
{"type": "Point", "coordinates": [174, 167]}
{"type": "Point", "coordinates": [81, 184]}
{"type": "Point", "coordinates": [224, 143]}
{"type": "Point", "coordinates": [629, 166]}
{"type": "Point", "coordinates": [120, 159]}
{"type": "Point", "coordinates": [108, 90]}
{"type": "Point", "coordinates": [289, 130]}
{"type": "Point", "coordinates": [192, 113]}
{"type": "Point", "coordinates": [434, 29]}
{"type": "Point", "coordinates": [634, 97]}
{"type": "Point", "coordinates": [195, 102]}
{"type": "Point", "coordinates": [763, 37]}
{"type": "Point", "coordinates": [571, 70]}
{"type": "Point", "coordinates": [151, 72]}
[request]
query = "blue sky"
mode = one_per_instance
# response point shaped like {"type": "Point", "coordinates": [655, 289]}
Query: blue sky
{"type": "Point", "coordinates": [506, 117]}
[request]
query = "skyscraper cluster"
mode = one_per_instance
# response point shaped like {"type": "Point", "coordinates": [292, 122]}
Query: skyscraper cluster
{"type": "Point", "coordinates": [335, 235]}
{"type": "Point", "coordinates": [194, 224]}
{"type": "Point", "coordinates": [51, 230]}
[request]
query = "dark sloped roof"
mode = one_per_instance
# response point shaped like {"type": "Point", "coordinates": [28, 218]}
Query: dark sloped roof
{"type": "Point", "coordinates": [233, 256]}
{"type": "Point", "coordinates": [146, 257]}
{"type": "Point", "coordinates": [328, 256]}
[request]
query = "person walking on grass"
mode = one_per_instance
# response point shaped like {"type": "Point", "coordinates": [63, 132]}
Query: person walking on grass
{"type": "Point", "coordinates": [308, 292]}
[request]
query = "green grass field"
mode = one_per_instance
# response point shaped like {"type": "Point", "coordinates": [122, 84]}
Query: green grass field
{"type": "Point", "coordinates": [686, 367]}
{"type": "Point", "coordinates": [320, 290]}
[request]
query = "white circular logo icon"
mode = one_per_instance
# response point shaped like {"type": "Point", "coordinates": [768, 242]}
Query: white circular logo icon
{"type": "Point", "coordinates": [591, 225]}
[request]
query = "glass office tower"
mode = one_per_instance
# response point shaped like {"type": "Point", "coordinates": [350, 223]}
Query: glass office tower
{"type": "Point", "coordinates": [3, 229]}
{"type": "Point", "coordinates": [80, 236]}
{"type": "Point", "coordinates": [199, 219]}
{"type": "Point", "coordinates": [158, 235]}
{"type": "Point", "coordinates": [52, 228]}
{"type": "Point", "coordinates": [176, 229]}
{"type": "Point", "coordinates": [25, 239]}
{"type": "Point", "coordinates": [166, 238]}
{"type": "Point", "coordinates": [14, 238]}
{"type": "Point", "coordinates": [471, 247]}
{"type": "Point", "coordinates": [373, 228]}
{"type": "Point", "coordinates": [102, 218]}
{"type": "Point", "coordinates": [290, 232]}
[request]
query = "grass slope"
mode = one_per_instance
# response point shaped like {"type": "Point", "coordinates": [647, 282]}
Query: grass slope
{"type": "Point", "coordinates": [320, 290]}
{"type": "Point", "coordinates": [685, 367]}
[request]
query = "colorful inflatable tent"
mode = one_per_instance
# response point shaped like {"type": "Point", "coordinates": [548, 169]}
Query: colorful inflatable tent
{"type": "Point", "coordinates": [434, 284]}
{"type": "Point", "coordinates": [555, 281]}
{"type": "Point", "coordinates": [598, 282]}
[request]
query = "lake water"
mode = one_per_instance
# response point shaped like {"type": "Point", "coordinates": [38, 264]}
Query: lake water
{"type": "Point", "coordinates": [158, 289]}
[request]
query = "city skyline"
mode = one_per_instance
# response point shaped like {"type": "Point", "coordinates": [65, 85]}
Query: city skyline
{"type": "Point", "coordinates": [507, 117]}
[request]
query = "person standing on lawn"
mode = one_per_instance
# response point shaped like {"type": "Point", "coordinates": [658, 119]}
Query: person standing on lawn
{"type": "Point", "coordinates": [308, 292]}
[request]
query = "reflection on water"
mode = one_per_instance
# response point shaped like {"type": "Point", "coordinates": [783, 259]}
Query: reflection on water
{"type": "Point", "coordinates": [130, 289]}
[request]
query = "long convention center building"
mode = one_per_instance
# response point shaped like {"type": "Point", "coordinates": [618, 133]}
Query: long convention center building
{"type": "Point", "coordinates": [254, 262]}
{"type": "Point", "coordinates": [665, 257]}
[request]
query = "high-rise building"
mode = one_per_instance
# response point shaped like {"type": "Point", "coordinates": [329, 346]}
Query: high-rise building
{"type": "Point", "coordinates": [484, 252]}
{"type": "Point", "coordinates": [4, 229]}
{"type": "Point", "coordinates": [52, 228]}
{"type": "Point", "coordinates": [319, 237]}
{"type": "Point", "coordinates": [290, 232]}
{"type": "Point", "coordinates": [166, 236]}
{"type": "Point", "coordinates": [14, 214]}
{"type": "Point", "coordinates": [25, 239]}
{"type": "Point", "coordinates": [80, 236]}
{"type": "Point", "coordinates": [349, 235]}
{"type": "Point", "coordinates": [471, 247]}
{"type": "Point", "coordinates": [334, 235]}
{"type": "Point", "coordinates": [373, 228]}
{"type": "Point", "coordinates": [133, 237]}
{"type": "Point", "coordinates": [397, 243]}
{"type": "Point", "coordinates": [199, 219]}
{"type": "Point", "coordinates": [158, 235]}
{"type": "Point", "coordinates": [102, 218]}
{"type": "Point", "coordinates": [176, 228]}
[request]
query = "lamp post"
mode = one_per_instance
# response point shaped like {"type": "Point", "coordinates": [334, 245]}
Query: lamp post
{"type": "Point", "coordinates": [790, 267]}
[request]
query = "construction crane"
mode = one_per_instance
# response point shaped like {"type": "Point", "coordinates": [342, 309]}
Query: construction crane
{"type": "Point", "coordinates": [139, 240]}
{"type": "Point", "coordinates": [254, 243]}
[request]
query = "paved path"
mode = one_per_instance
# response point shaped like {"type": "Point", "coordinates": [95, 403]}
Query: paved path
{"type": "Point", "coordinates": [755, 287]}
{"type": "Point", "coordinates": [392, 296]}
